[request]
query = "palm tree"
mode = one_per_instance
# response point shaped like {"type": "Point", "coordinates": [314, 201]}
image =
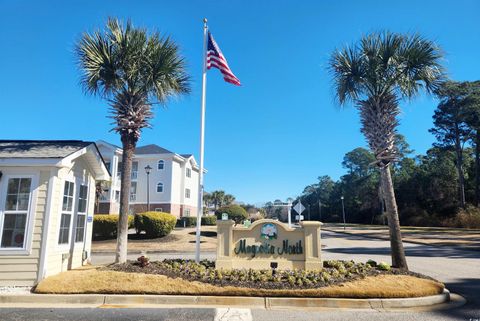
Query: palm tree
{"type": "Point", "coordinates": [217, 198]}
{"type": "Point", "coordinates": [375, 74]}
{"type": "Point", "coordinates": [133, 70]}
{"type": "Point", "coordinates": [228, 199]}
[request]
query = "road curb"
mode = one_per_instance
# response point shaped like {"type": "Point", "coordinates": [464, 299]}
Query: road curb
{"type": "Point", "coordinates": [129, 301]}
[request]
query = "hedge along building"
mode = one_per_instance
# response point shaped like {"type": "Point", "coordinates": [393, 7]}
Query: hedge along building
{"type": "Point", "coordinates": [47, 194]}
{"type": "Point", "coordinates": [172, 182]}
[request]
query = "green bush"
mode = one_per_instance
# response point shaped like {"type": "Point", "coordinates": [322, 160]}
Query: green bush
{"type": "Point", "coordinates": [209, 220]}
{"type": "Point", "coordinates": [372, 263]}
{"type": "Point", "coordinates": [105, 225]}
{"type": "Point", "coordinates": [191, 221]}
{"type": "Point", "coordinates": [235, 212]}
{"type": "Point", "coordinates": [383, 266]}
{"type": "Point", "coordinates": [155, 224]}
{"type": "Point", "coordinates": [188, 221]}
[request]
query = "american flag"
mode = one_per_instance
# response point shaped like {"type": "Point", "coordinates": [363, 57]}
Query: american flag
{"type": "Point", "coordinates": [216, 59]}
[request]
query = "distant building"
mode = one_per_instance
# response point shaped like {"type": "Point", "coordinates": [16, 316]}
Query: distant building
{"type": "Point", "coordinates": [47, 195]}
{"type": "Point", "coordinates": [173, 181]}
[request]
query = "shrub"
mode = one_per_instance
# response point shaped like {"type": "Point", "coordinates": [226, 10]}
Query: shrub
{"type": "Point", "coordinates": [204, 271]}
{"type": "Point", "coordinates": [188, 221]}
{"type": "Point", "coordinates": [143, 260]}
{"type": "Point", "coordinates": [209, 220]}
{"type": "Point", "coordinates": [383, 266]}
{"type": "Point", "coordinates": [191, 221]}
{"type": "Point", "coordinates": [155, 224]}
{"type": "Point", "coordinates": [105, 225]}
{"type": "Point", "coordinates": [466, 218]}
{"type": "Point", "coordinates": [235, 212]}
{"type": "Point", "coordinates": [372, 263]}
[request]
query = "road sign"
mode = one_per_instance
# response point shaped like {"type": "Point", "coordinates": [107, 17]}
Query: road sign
{"type": "Point", "coordinates": [299, 208]}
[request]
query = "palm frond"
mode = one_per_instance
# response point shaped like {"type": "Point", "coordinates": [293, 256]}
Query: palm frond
{"type": "Point", "coordinates": [347, 70]}
{"type": "Point", "coordinates": [133, 69]}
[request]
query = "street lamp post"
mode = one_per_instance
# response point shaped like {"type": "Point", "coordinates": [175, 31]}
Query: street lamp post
{"type": "Point", "coordinates": [320, 210]}
{"type": "Point", "coordinates": [147, 170]}
{"type": "Point", "coordinates": [343, 211]}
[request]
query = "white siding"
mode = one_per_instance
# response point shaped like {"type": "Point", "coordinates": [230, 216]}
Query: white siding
{"type": "Point", "coordinates": [156, 176]}
{"type": "Point", "coordinates": [56, 261]}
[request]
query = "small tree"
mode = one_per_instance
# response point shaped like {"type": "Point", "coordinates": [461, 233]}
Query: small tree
{"type": "Point", "coordinates": [235, 212]}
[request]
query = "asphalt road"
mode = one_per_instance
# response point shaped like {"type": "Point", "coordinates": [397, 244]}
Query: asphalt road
{"type": "Point", "coordinates": [458, 269]}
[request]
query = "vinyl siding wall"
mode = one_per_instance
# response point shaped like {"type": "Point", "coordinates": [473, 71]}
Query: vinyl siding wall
{"type": "Point", "coordinates": [22, 269]}
{"type": "Point", "coordinates": [58, 259]}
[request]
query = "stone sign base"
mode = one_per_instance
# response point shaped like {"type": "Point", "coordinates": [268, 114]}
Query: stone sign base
{"type": "Point", "coordinates": [268, 244]}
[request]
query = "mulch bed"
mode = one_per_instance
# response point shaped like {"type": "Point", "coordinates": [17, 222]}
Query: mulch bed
{"type": "Point", "coordinates": [165, 268]}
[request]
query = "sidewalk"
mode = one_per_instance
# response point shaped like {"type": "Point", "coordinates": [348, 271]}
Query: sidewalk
{"type": "Point", "coordinates": [430, 303]}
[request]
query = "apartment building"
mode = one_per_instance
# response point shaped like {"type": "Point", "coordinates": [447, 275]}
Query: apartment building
{"type": "Point", "coordinates": [172, 184]}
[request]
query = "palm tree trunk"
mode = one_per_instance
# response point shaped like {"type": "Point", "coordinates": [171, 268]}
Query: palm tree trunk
{"type": "Point", "coordinates": [396, 245]}
{"type": "Point", "coordinates": [461, 178]}
{"type": "Point", "coordinates": [128, 144]}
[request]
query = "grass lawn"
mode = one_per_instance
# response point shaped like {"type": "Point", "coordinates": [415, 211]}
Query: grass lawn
{"type": "Point", "coordinates": [100, 281]}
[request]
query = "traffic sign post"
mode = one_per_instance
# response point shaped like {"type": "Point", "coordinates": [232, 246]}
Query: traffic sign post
{"type": "Point", "coordinates": [299, 208]}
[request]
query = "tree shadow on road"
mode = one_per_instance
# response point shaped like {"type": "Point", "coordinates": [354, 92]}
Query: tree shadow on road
{"type": "Point", "coordinates": [469, 288]}
{"type": "Point", "coordinates": [417, 250]}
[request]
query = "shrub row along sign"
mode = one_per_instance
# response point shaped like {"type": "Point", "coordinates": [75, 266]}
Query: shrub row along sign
{"type": "Point", "coordinates": [269, 243]}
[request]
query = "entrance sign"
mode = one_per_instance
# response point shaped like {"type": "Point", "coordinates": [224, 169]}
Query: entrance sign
{"type": "Point", "coordinates": [224, 217]}
{"type": "Point", "coordinates": [266, 242]}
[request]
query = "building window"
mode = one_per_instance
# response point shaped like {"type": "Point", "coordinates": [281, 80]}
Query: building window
{"type": "Point", "coordinates": [104, 195]}
{"type": "Point", "coordinates": [161, 164]}
{"type": "Point", "coordinates": [67, 209]}
{"type": "Point", "coordinates": [133, 191]}
{"type": "Point", "coordinates": [160, 188]}
{"type": "Point", "coordinates": [119, 170]}
{"type": "Point", "coordinates": [117, 196]}
{"type": "Point", "coordinates": [189, 172]}
{"type": "Point", "coordinates": [187, 193]}
{"type": "Point", "coordinates": [107, 165]}
{"type": "Point", "coordinates": [16, 211]}
{"type": "Point", "coordinates": [134, 174]}
{"type": "Point", "coordinates": [81, 213]}
{"type": "Point", "coordinates": [158, 209]}
{"type": "Point", "coordinates": [187, 212]}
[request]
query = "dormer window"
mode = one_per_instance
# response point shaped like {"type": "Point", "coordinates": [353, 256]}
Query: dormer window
{"type": "Point", "coordinates": [161, 164]}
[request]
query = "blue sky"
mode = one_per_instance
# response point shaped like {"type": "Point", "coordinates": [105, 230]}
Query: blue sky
{"type": "Point", "coordinates": [264, 140]}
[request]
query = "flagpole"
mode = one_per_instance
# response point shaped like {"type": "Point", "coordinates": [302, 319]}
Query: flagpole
{"type": "Point", "coordinates": [202, 143]}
